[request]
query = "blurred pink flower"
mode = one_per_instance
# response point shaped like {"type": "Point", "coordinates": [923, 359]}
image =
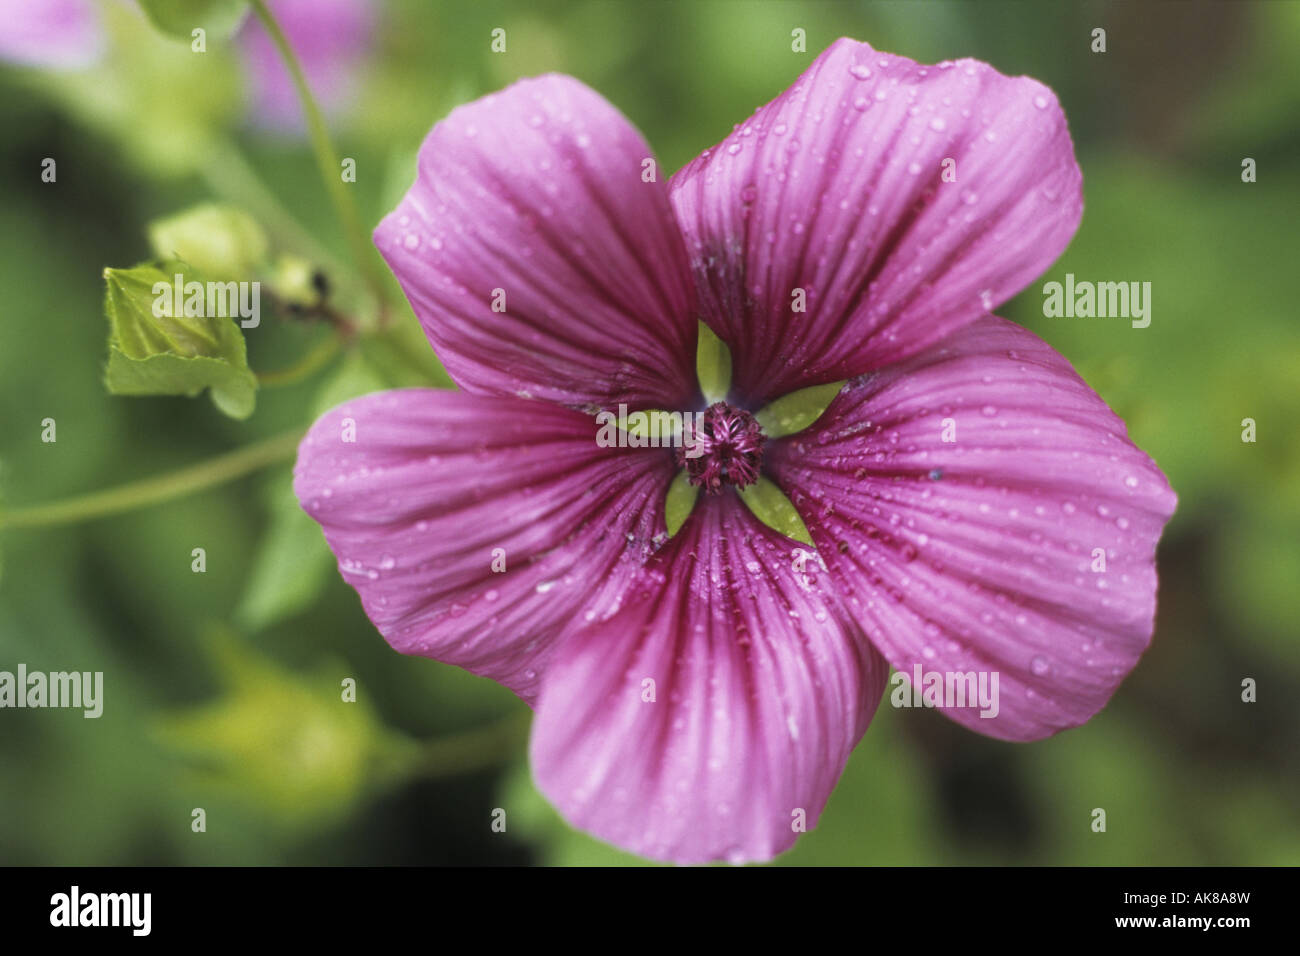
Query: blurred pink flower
{"type": "Point", "coordinates": [697, 696]}
{"type": "Point", "coordinates": [331, 38]}
{"type": "Point", "coordinates": [55, 34]}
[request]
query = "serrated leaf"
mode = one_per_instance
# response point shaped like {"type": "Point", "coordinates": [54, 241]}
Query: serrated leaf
{"type": "Point", "coordinates": [154, 351]}
{"type": "Point", "coordinates": [180, 17]}
{"type": "Point", "coordinates": [221, 241]}
{"type": "Point", "coordinates": [234, 392]}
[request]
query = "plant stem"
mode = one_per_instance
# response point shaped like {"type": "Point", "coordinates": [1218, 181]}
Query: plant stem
{"type": "Point", "coordinates": [326, 158]}
{"type": "Point", "coordinates": [230, 175]}
{"type": "Point", "coordinates": [475, 749]}
{"type": "Point", "coordinates": [310, 363]}
{"type": "Point", "coordinates": [149, 491]}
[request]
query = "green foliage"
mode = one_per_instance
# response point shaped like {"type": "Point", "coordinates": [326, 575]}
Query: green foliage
{"type": "Point", "coordinates": [164, 107]}
{"type": "Point", "coordinates": [179, 18]}
{"type": "Point", "coordinates": [157, 346]}
{"type": "Point", "coordinates": [289, 743]}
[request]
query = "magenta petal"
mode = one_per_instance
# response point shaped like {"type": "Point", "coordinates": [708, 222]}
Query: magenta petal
{"type": "Point", "coordinates": [837, 188]}
{"type": "Point", "coordinates": [440, 491]}
{"type": "Point", "coordinates": [984, 553]}
{"type": "Point", "coordinates": [761, 688]}
{"type": "Point", "coordinates": [57, 34]}
{"type": "Point", "coordinates": [532, 200]}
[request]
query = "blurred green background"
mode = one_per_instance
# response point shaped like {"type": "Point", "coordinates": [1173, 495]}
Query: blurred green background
{"type": "Point", "coordinates": [223, 688]}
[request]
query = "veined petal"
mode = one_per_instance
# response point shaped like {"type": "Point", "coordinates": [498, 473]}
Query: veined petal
{"type": "Point", "coordinates": [710, 718]}
{"type": "Point", "coordinates": [475, 529]}
{"type": "Point", "coordinates": [538, 259]}
{"type": "Point", "coordinates": [986, 512]}
{"type": "Point", "coordinates": [827, 238]}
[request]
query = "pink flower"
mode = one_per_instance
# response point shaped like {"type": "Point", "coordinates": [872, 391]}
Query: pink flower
{"type": "Point", "coordinates": [56, 34]}
{"type": "Point", "coordinates": [697, 696]}
{"type": "Point", "coordinates": [331, 39]}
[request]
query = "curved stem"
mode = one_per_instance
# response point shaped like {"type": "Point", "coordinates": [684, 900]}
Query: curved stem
{"type": "Point", "coordinates": [326, 158]}
{"type": "Point", "coordinates": [304, 368]}
{"type": "Point", "coordinates": [148, 491]}
{"type": "Point", "coordinates": [229, 174]}
{"type": "Point", "coordinates": [475, 749]}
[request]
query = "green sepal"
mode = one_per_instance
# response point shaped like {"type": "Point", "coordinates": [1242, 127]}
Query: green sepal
{"type": "Point", "coordinates": [680, 502]}
{"type": "Point", "coordinates": [712, 365]}
{"type": "Point", "coordinates": [170, 354]}
{"type": "Point", "coordinates": [770, 506]}
{"type": "Point", "coordinates": [796, 411]}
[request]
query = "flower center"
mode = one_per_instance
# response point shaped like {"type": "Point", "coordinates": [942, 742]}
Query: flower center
{"type": "Point", "coordinates": [723, 447]}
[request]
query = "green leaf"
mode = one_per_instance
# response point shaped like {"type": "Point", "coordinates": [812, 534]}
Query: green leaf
{"type": "Point", "coordinates": [355, 376]}
{"type": "Point", "coordinates": [292, 564]}
{"type": "Point", "coordinates": [172, 354]}
{"type": "Point", "coordinates": [180, 17]}
{"type": "Point", "coordinates": [221, 241]}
